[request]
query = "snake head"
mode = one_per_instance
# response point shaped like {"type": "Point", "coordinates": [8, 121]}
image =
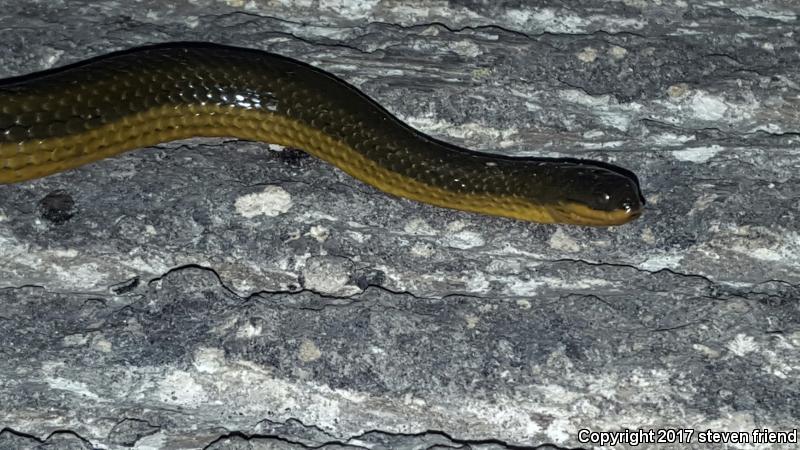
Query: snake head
{"type": "Point", "coordinates": [600, 195]}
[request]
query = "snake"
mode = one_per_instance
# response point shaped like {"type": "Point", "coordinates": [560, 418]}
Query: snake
{"type": "Point", "coordinates": [63, 118]}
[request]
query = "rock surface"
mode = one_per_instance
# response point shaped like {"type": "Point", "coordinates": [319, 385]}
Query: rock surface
{"type": "Point", "coordinates": [222, 294]}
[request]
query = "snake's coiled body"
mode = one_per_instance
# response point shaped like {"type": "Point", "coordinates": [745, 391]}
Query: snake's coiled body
{"type": "Point", "coordinates": [65, 118]}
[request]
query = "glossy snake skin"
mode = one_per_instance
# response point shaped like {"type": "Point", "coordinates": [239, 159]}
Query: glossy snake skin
{"type": "Point", "coordinates": [61, 119]}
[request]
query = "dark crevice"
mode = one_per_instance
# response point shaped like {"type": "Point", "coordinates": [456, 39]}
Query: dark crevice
{"type": "Point", "coordinates": [248, 437]}
{"type": "Point", "coordinates": [637, 269]}
{"type": "Point", "coordinates": [460, 443]}
{"type": "Point", "coordinates": [50, 436]}
{"type": "Point", "coordinates": [258, 296]}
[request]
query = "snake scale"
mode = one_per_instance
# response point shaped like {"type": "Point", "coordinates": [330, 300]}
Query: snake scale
{"type": "Point", "coordinates": [64, 118]}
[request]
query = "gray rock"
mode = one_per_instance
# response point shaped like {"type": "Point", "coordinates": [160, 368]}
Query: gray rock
{"type": "Point", "coordinates": [226, 294]}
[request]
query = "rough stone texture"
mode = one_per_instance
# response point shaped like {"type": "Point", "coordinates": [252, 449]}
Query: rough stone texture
{"type": "Point", "coordinates": [222, 294]}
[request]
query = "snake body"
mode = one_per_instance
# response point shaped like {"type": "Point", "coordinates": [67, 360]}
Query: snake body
{"type": "Point", "coordinates": [64, 118]}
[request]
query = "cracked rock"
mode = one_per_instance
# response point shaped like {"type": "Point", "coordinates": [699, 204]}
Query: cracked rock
{"type": "Point", "coordinates": [228, 294]}
{"type": "Point", "coordinates": [127, 432]}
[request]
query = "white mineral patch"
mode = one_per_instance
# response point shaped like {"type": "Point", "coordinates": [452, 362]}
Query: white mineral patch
{"type": "Point", "coordinates": [678, 90]}
{"type": "Point", "coordinates": [533, 259]}
{"type": "Point", "coordinates": [587, 55]}
{"type": "Point", "coordinates": [504, 265]}
{"type": "Point", "coordinates": [647, 235]}
{"type": "Point", "coordinates": [617, 52]}
{"type": "Point", "coordinates": [605, 108]}
{"type": "Point", "coordinates": [623, 23]}
{"type": "Point", "coordinates": [554, 21]}
{"type": "Point", "coordinates": [249, 331]}
{"type": "Point", "coordinates": [559, 430]}
{"type": "Point", "coordinates": [208, 360]}
{"type": "Point", "coordinates": [771, 247]}
{"type": "Point", "coordinates": [792, 341]}
{"type": "Point", "coordinates": [52, 57]}
{"type": "Point", "coordinates": [463, 240]}
{"type": "Point", "coordinates": [78, 274]}
{"type": "Point", "coordinates": [658, 262]}
{"type": "Point", "coordinates": [155, 264]}
{"type": "Point", "coordinates": [308, 351]}
{"type": "Point", "coordinates": [422, 249]}
{"type": "Point", "coordinates": [616, 119]}
{"type": "Point", "coordinates": [588, 283]}
{"type": "Point", "coordinates": [419, 227]}
{"type": "Point", "coordinates": [377, 350]}
{"type": "Point", "coordinates": [465, 48]}
{"type": "Point", "coordinates": [76, 387]}
{"type": "Point", "coordinates": [180, 388]}
{"type": "Point", "coordinates": [603, 145]}
{"type": "Point", "coordinates": [502, 414]}
{"type": "Point", "coordinates": [297, 3]}
{"type": "Point", "coordinates": [102, 344]}
{"type": "Point", "coordinates": [777, 365]}
{"type": "Point", "coordinates": [564, 242]}
{"type": "Point", "coordinates": [153, 442]}
{"type": "Point", "coordinates": [314, 216]}
{"type": "Point", "coordinates": [271, 201]}
{"type": "Point", "coordinates": [353, 9]}
{"type": "Point", "coordinates": [64, 253]}
{"type": "Point", "coordinates": [319, 233]}
{"type": "Point", "coordinates": [191, 21]}
{"type": "Point", "coordinates": [432, 30]}
{"type": "Point", "coordinates": [689, 30]}
{"type": "Point", "coordinates": [667, 139]}
{"type": "Point", "coordinates": [340, 67]}
{"type": "Point", "coordinates": [477, 284]}
{"type": "Point", "coordinates": [697, 154]}
{"type": "Point", "coordinates": [524, 287]}
{"type": "Point", "coordinates": [640, 3]}
{"type": "Point", "coordinates": [705, 106]}
{"type": "Point", "coordinates": [456, 226]}
{"type": "Point", "coordinates": [467, 131]}
{"type": "Point", "coordinates": [357, 237]}
{"type": "Point", "coordinates": [74, 340]}
{"type": "Point", "coordinates": [328, 276]}
{"type": "Point", "coordinates": [703, 201]}
{"type": "Point", "coordinates": [593, 134]}
{"type": "Point", "coordinates": [706, 351]}
{"type": "Point", "coordinates": [767, 127]}
{"type": "Point", "coordinates": [762, 11]}
{"type": "Point", "coordinates": [742, 345]}
{"type": "Point", "coordinates": [766, 254]}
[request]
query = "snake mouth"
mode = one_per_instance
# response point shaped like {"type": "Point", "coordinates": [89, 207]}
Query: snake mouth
{"type": "Point", "coordinates": [580, 214]}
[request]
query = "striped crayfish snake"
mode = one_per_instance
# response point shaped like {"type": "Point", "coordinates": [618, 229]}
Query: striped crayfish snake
{"type": "Point", "coordinates": [63, 118]}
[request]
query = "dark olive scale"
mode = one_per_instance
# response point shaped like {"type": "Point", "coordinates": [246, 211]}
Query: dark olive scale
{"type": "Point", "coordinates": [106, 90]}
